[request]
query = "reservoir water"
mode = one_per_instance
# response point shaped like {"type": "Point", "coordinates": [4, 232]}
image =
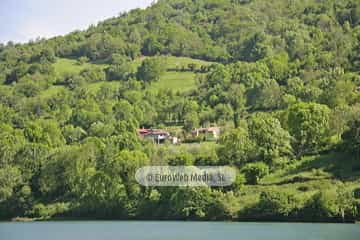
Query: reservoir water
{"type": "Point", "coordinates": [138, 230]}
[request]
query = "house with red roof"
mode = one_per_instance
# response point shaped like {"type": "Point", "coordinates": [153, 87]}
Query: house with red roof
{"type": "Point", "coordinates": [158, 136]}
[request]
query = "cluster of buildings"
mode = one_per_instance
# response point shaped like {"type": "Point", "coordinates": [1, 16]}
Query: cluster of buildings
{"type": "Point", "coordinates": [160, 136]}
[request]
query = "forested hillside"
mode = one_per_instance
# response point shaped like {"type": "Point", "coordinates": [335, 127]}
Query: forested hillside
{"type": "Point", "coordinates": [281, 78]}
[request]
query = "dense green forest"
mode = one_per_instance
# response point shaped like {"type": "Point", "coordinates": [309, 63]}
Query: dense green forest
{"type": "Point", "coordinates": [281, 78]}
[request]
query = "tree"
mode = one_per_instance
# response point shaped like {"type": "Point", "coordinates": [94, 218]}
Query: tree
{"type": "Point", "coordinates": [101, 130]}
{"type": "Point", "coordinates": [120, 68]}
{"type": "Point", "coordinates": [223, 113]}
{"type": "Point", "coordinates": [44, 131]}
{"type": "Point", "coordinates": [152, 46]}
{"type": "Point", "coordinates": [295, 86]}
{"type": "Point", "coordinates": [73, 134]}
{"type": "Point", "coordinates": [92, 75]}
{"type": "Point", "coordinates": [339, 93]}
{"type": "Point", "coordinates": [47, 55]}
{"type": "Point", "coordinates": [355, 53]}
{"type": "Point", "coordinates": [235, 147]}
{"type": "Point", "coordinates": [309, 124]}
{"type": "Point", "coordinates": [105, 196]}
{"type": "Point", "coordinates": [190, 203]}
{"type": "Point", "coordinates": [191, 121]}
{"type": "Point", "coordinates": [68, 171]}
{"type": "Point", "coordinates": [28, 87]}
{"type": "Point", "coordinates": [29, 160]}
{"type": "Point", "coordinates": [73, 81]}
{"type": "Point", "coordinates": [339, 119]}
{"type": "Point", "coordinates": [237, 100]}
{"type": "Point", "coordinates": [11, 141]}
{"type": "Point", "coordinates": [351, 138]}
{"type": "Point", "coordinates": [125, 164]}
{"type": "Point", "coordinates": [266, 95]}
{"type": "Point", "coordinates": [219, 74]}
{"type": "Point", "coordinates": [126, 136]}
{"type": "Point", "coordinates": [279, 67]}
{"type": "Point", "coordinates": [121, 71]}
{"type": "Point", "coordinates": [249, 74]}
{"type": "Point", "coordinates": [123, 110]}
{"type": "Point", "coordinates": [271, 139]}
{"type": "Point", "coordinates": [150, 69]}
{"type": "Point", "coordinates": [100, 46]}
{"type": "Point", "coordinates": [10, 177]}
{"type": "Point", "coordinates": [83, 118]}
{"type": "Point", "coordinates": [255, 48]}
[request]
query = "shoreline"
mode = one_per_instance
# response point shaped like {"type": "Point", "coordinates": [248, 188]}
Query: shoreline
{"type": "Point", "coordinates": [24, 220]}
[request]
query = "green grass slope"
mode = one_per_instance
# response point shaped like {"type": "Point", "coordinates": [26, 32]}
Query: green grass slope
{"type": "Point", "coordinates": [306, 177]}
{"type": "Point", "coordinates": [179, 81]}
{"type": "Point", "coordinates": [64, 65]}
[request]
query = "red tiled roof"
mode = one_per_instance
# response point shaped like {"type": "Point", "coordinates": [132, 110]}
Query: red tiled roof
{"type": "Point", "coordinates": [143, 131]}
{"type": "Point", "coordinates": [152, 131]}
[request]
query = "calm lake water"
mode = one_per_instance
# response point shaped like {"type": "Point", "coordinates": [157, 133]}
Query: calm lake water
{"type": "Point", "coordinates": [99, 230]}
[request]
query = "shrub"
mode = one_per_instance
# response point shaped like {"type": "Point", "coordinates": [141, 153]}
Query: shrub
{"type": "Point", "coordinates": [181, 159]}
{"type": "Point", "coordinates": [151, 69]}
{"type": "Point", "coordinates": [326, 205]}
{"type": "Point", "coordinates": [303, 188]}
{"type": "Point", "coordinates": [239, 182]}
{"type": "Point", "coordinates": [277, 203]}
{"type": "Point", "coordinates": [92, 75]}
{"type": "Point", "coordinates": [47, 211]}
{"type": "Point", "coordinates": [357, 193]}
{"type": "Point", "coordinates": [255, 171]}
{"type": "Point", "coordinates": [224, 206]}
{"type": "Point", "coordinates": [83, 60]}
{"type": "Point", "coordinates": [321, 206]}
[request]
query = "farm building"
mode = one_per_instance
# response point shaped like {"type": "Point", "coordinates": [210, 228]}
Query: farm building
{"type": "Point", "coordinates": [158, 136]}
{"type": "Point", "coordinates": [211, 133]}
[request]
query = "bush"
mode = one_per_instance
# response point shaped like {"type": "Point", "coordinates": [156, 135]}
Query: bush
{"type": "Point", "coordinates": [92, 75]}
{"type": "Point", "coordinates": [277, 203]}
{"type": "Point", "coordinates": [73, 81]}
{"type": "Point", "coordinates": [255, 171]}
{"type": "Point", "coordinates": [321, 206]}
{"type": "Point", "coordinates": [151, 69]}
{"type": "Point", "coordinates": [83, 60]}
{"type": "Point", "coordinates": [181, 159]}
{"type": "Point", "coordinates": [357, 193]}
{"type": "Point", "coordinates": [120, 69]}
{"type": "Point", "coordinates": [279, 163]}
{"type": "Point", "coordinates": [223, 206]}
{"type": "Point", "coordinates": [326, 205]}
{"type": "Point", "coordinates": [238, 184]}
{"type": "Point", "coordinates": [357, 207]}
{"type": "Point", "coordinates": [303, 188]}
{"type": "Point", "coordinates": [47, 211]}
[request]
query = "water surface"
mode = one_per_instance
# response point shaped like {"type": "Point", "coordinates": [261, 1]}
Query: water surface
{"type": "Point", "coordinates": [124, 230]}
